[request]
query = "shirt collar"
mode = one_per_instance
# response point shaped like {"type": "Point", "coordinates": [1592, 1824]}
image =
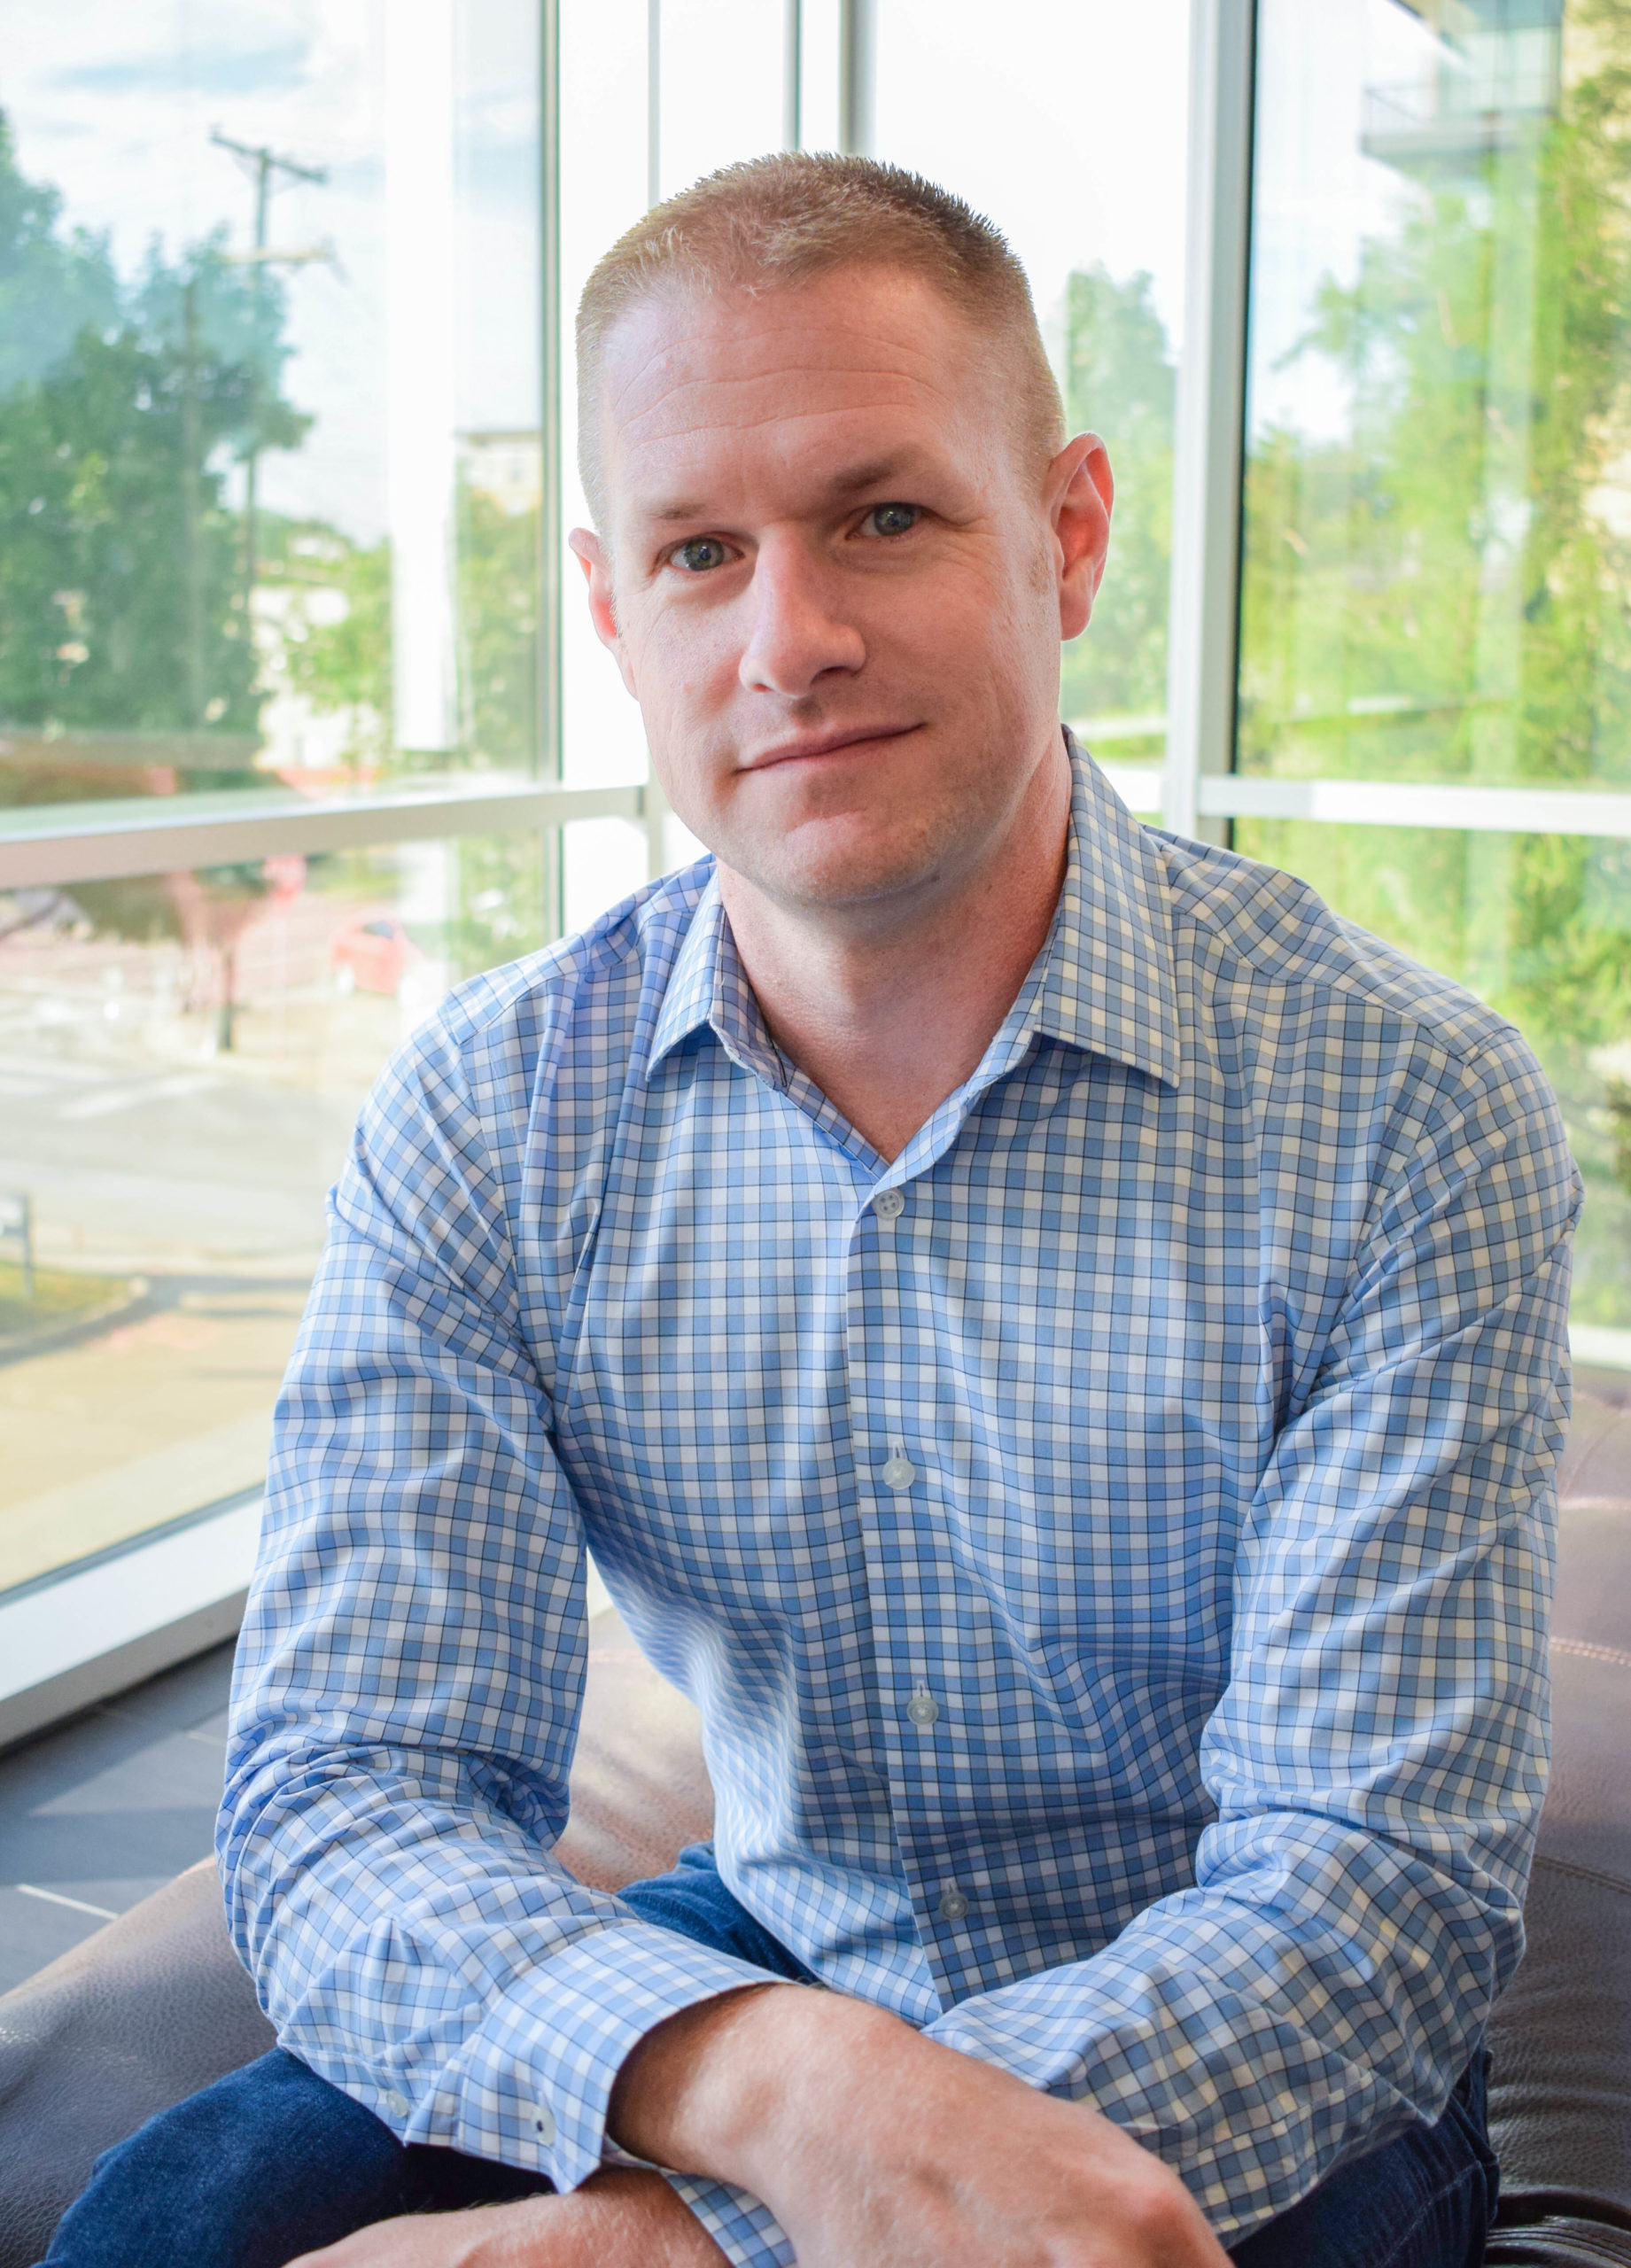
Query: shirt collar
{"type": "Point", "coordinates": [1103, 982]}
{"type": "Point", "coordinates": [1107, 982]}
{"type": "Point", "coordinates": [707, 987]}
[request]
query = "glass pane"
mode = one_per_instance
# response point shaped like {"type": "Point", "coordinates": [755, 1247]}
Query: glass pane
{"type": "Point", "coordinates": [1540, 925]}
{"type": "Point", "coordinates": [1438, 523]}
{"type": "Point", "coordinates": [180, 1061]}
{"type": "Point", "coordinates": [1098, 218]}
{"type": "Point", "coordinates": [269, 427]}
{"type": "Point", "coordinates": [603, 183]}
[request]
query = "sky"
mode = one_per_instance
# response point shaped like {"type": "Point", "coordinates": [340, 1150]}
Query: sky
{"type": "Point", "coordinates": [113, 101]}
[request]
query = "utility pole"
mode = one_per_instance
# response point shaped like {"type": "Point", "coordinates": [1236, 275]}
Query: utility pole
{"type": "Point", "coordinates": [261, 164]}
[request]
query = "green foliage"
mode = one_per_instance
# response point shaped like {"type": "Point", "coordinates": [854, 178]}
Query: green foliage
{"type": "Point", "coordinates": [498, 628]}
{"type": "Point", "coordinates": [342, 666]}
{"type": "Point", "coordinates": [498, 901]}
{"type": "Point", "coordinates": [51, 288]}
{"type": "Point", "coordinates": [1119, 382]}
{"type": "Point", "coordinates": [121, 604]}
{"type": "Point", "coordinates": [1443, 594]}
{"type": "Point", "coordinates": [121, 578]}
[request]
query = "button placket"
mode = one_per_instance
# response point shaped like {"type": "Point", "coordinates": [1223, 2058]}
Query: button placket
{"type": "Point", "coordinates": [910, 1750]}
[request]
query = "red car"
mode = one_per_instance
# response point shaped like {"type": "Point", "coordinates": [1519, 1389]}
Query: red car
{"type": "Point", "coordinates": [371, 954]}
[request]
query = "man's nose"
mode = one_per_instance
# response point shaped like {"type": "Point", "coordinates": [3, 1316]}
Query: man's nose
{"type": "Point", "coordinates": [796, 632]}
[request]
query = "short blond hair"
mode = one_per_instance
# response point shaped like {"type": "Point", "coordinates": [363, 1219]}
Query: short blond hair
{"type": "Point", "coordinates": [779, 221]}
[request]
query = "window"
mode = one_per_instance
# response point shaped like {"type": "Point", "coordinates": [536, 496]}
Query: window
{"type": "Point", "coordinates": [279, 742]}
{"type": "Point", "coordinates": [1434, 718]}
{"type": "Point", "coordinates": [302, 718]}
{"type": "Point", "coordinates": [183, 1056]}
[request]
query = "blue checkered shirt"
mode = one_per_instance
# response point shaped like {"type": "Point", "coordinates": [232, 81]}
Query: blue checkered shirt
{"type": "Point", "coordinates": [1109, 1546]}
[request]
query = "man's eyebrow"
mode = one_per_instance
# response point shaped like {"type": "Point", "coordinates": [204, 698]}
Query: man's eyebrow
{"type": "Point", "coordinates": [671, 511]}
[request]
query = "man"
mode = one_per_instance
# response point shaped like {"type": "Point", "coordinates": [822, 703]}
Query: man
{"type": "Point", "coordinates": [1055, 1341]}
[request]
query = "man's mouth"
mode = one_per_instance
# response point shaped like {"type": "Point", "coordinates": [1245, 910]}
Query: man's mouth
{"type": "Point", "coordinates": [809, 745]}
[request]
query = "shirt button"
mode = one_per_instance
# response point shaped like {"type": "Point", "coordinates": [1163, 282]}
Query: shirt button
{"type": "Point", "coordinates": [395, 2103]}
{"type": "Point", "coordinates": [888, 1204]}
{"type": "Point", "coordinates": [543, 2122]}
{"type": "Point", "coordinates": [954, 1905]}
{"type": "Point", "coordinates": [922, 1708]}
{"type": "Point", "coordinates": [899, 1472]}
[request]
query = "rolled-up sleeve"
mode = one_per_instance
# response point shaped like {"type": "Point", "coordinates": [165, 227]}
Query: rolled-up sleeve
{"type": "Point", "coordinates": [409, 1685]}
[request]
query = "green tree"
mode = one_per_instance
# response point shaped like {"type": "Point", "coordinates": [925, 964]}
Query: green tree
{"type": "Point", "coordinates": [498, 581]}
{"type": "Point", "coordinates": [122, 610]}
{"type": "Point", "coordinates": [340, 662]}
{"type": "Point", "coordinates": [52, 286]}
{"type": "Point", "coordinates": [1441, 596]}
{"type": "Point", "coordinates": [1445, 593]}
{"type": "Point", "coordinates": [121, 405]}
{"type": "Point", "coordinates": [343, 664]}
{"type": "Point", "coordinates": [1119, 382]}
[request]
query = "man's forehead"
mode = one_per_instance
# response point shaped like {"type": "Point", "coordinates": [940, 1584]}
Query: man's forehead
{"type": "Point", "coordinates": [683, 372]}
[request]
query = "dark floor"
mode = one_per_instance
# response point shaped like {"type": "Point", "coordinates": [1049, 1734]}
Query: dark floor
{"type": "Point", "coordinates": [97, 1813]}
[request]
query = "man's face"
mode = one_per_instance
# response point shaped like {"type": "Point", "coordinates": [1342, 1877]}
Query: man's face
{"type": "Point", "coordinates": [834, 584]}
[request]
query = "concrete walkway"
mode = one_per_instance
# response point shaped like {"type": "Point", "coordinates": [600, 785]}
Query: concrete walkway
{"type": "Point", "coordinates": [121, 1434]}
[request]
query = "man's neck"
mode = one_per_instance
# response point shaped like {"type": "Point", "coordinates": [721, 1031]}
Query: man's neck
{"type": "Point", "coordinates": [888, 1020]}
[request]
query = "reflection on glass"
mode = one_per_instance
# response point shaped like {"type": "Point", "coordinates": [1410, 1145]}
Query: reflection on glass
{"type": "Point", "coordinates": [1438, 541]}
{"type": "Point", "coordinates": [1540, 925]}
{"type": "Point", "coordinates": [1437, 510]}
{"type": "Point", "coordinates": [1097, 219]}
{"type": "Point", "coordinates": [180, 1059]}
{"type": "Point", "coordinates": [268, 396]}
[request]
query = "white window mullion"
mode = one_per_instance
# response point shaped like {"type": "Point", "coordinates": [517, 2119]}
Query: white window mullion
{"type": "Point", "coordinates": [1203, 620]}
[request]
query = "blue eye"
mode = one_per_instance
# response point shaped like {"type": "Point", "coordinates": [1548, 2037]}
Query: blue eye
{"type": "Point", "coordinates": [700, 553]}
{"type": "Point", "coordinates": [893, 519]}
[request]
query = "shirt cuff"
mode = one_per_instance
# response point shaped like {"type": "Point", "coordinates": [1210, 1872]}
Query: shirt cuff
{"type": "Point", "coordinates": [551, 2052]}
{"type": "Point", "coordinates": [745, 2232]}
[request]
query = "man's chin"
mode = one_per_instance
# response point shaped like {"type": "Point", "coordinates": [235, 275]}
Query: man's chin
{"type": "Point", "coordinates": [837, 876]}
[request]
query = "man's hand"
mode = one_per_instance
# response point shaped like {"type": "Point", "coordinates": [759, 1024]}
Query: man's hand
{"type": "Point", "coordinates": [877, 2148]}
{"type": "Point", "coordinates": [620, 2218]}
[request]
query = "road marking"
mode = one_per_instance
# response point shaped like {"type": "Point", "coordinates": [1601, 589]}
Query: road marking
{"type": "Point", "coordinates": [104, 1103]}
{"type": "Point", "coordinates": [53, 1067]}
{"type": "Point", "coordinates": [56, 1898]}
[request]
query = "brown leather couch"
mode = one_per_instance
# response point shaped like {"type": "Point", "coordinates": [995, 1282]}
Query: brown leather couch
{"type": "Point", "coordinates": [156, 2005]}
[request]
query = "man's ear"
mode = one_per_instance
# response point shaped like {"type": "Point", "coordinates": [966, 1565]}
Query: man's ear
{"type": "Point", "coordinates": [1081, 494]}
{"type": "Point", "coordinates": [590, 553]}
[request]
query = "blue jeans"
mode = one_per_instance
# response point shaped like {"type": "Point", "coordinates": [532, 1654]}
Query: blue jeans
{"type": "Point", "coordinates": [272, 2160]}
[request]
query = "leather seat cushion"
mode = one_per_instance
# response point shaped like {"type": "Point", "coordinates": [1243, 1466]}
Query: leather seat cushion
{"type": "Point", "coordinates": [1560, 2095]}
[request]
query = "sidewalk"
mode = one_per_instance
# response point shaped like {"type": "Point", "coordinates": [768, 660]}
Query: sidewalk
{"type": "Point", "coordinates": [106, 1439]}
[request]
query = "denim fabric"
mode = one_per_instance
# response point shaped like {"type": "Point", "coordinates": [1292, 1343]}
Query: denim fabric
{"type": "Point", "coordinates": [1425, 2200]}
{"type": "Point", "coordinates": [272, 2162]}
